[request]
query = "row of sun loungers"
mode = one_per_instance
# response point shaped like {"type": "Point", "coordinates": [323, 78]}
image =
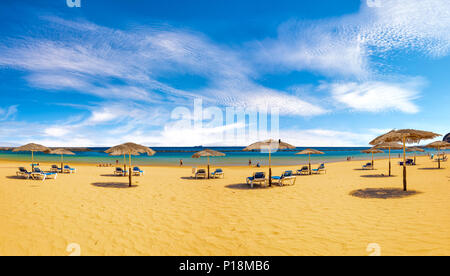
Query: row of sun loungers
{"type": "Point", "coordinates": [66, 169]}
{"type": "Point", "coordinates": [409, 162]}
{"type": "Point", "coordinates": [37, 174]}
{"type": "Point", "coordinates": [287, 178]}
{"type": "Point", "coordinates": [201, 173]}
{"type": "Point", "coordinates": [121, 172]}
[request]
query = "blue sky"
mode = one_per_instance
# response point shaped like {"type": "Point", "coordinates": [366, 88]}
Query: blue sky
{"type": "Point", "coordinates": [338, 73]}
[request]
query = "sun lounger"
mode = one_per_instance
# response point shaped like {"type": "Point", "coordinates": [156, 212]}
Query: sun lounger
{"type": "Point", "coordinates": [68, 169]}
{"type": "Point", "coordinates": [218, 173]}
{"type": "Point", "coordinates": [120, 172]}
{"type": "Point", "coordinates": [286, 177]}
{"type": "Point", "coordinates": [55, 168]}
{"type": "Point", "coordinates": [257, 178]}
{"type": "Point", "coordinates": [200, 173]}
{"type": "Point", "coordinates": [409, 162]}
{"type": "Point", "coordinates": [303, 171]}
{"type": "Point", "coordinates": [368, 166]}
{"type": "Point", "coordinates": [38, 174]}
{"type": "Point", "coordinates": [137, 171]}
{"type": "Point", "coordinates": [320, 169]}
{"type": "Point", "coordinates": [23, 173]}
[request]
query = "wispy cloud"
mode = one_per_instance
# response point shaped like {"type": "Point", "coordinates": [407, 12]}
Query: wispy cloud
{"type": "Point", "coordinates": [345, 46]}
{"type": "Point", "coordinates": [8, 113]}
{"type": "Point", "coordinates": [376, 96]}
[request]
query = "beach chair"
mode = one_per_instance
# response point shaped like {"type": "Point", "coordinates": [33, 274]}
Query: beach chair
{"type": "Point", "coordinates": [286, 177]}
{"type": "Point", "coordinates": [137, 171]}
{"type": "Point", "coordinates": [38, 174]}
{"type": "Point", "coordinates": [120, 172]}
{"type": "Point", "coordinates": [218, 173]}
{"type": "Point", "coordinates": [68, 169]}
{"type": "Point", "coordinates": [200, 173]}
{"type": "Point", "coordinates": [23, 173]}
{"type": "Point", "coordinates": [320, 169]}
{"type": "Point", "coordinates": [258, 178]}
{"type": "Point", "coordinates": [55, 168]}
{"type": "Point", "coordinates": [368, 166]}
{"type": "Point", "coordinates": [303, 171]}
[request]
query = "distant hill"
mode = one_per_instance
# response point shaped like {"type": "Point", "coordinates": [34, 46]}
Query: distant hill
{"type": "Point", "coordinates": [447, 138]}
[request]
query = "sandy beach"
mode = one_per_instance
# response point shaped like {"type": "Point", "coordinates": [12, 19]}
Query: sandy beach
{"type": "Point", "coordinates": [168, 213]}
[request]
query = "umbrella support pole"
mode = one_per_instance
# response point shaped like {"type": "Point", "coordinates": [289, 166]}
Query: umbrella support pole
{"type": "Point", "coordinates": [309, 165]}
{"type": "Point", "coordinates": [439, 158]}
{"type": "Point", "coordinates": [208, 169]}
{"type": "Point", "coordinates": [390, 166]}
{"type": "Point", "coordinates": [129, 172]}
{"type": "Point", "coordinates": [270, 169]}
{"type": "Point", "coordinates": [404, 165]}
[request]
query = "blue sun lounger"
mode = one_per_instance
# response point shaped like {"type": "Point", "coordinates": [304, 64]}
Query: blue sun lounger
{"type": "Point", "coordinates": [120, 172]}
{"type": "Point", "coordinates": [217, 173]}
{"type": "Point", "coordinates": [304, 170]}
{"type": "Point", "coordinates": [320, 169]}
{"type": "Point", "coordinates": [258, 177]}
{"type": "Point", "coordinates": [137, 171]}
{"type": "Point", "coordinates": [23, 173]}
{"type": "Point", "coordinates": [285, 177]}
{"type": "Point", "coordinates": [68, 169]}
{"type": "Point", "coordinates": [39, 174]}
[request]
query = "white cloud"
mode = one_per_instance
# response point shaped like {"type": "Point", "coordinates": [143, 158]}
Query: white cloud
{"type": "Point", "coordinates": [8, 113]}
{"type": "Point", "coordinates": [376, 96]}
{"type": "Point", "coordinates": [344, 46]}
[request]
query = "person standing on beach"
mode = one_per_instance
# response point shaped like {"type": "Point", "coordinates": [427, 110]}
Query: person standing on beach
{"type": "Point", "coordinates": [181, 162]}
{"type": "Point", "coordinates": [249, 162]}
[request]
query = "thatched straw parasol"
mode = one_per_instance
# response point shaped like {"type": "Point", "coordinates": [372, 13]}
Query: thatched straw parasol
{"type": "Point", "coordinates": [415, 150]}
{"type": "Point", "coordinates": [309, 152]}
{"type": "Point", "coordinates": [372, 151]}
{"type": "Point", "coordinates": [439, 145]}
{"type": "Point", "coordinates": [390, 146]}
{"type": "Point", "coordinates": [208, 153]}
{"type": "Point", "coordinates": [33, 148]}
{"type": "Point", "coordinates": [61, 152]}
{"type": "Point", "coordinates": [269, 146]}
{"type": "Point", "coordinates": [130, 149]}
{"type": "Point", "coordinates": [404, 136]}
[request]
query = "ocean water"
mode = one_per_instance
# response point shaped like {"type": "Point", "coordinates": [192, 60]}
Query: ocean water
{"type": "Point", "coordinates": [168, 156]}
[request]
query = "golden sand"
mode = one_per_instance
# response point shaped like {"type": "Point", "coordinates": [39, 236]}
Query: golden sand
{"type": "Point", "coordinates": [167, 213]}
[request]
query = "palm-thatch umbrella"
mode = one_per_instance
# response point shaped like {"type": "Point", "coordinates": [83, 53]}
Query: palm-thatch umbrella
{"type": "Point", "coordinates": [390, 146]}
{"type": "Point", "coordinates": [309, 152]}
{"type": "Point", "coordinates": [269, 146]}
{"type": "Point", "coordinates": [207, 153]}
{"type": "Point", "coordinates": [410, 136]}
{"type": "Point", "coordinates": [33, 148]}
{"type": "Point", "coordinates": [372, 151]}
{"type": "Point", "coordinates": [439, 145]}
{"type": "Point", "coordinates": [61, 152]}
{"type": "Point", "coordinates": [415, 150]}
{"type": "Point", "coordinates": [130, 149]}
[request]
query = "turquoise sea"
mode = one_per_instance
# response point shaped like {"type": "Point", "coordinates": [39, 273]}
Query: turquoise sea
{"type": "Point", "coordinates": [171, 156]}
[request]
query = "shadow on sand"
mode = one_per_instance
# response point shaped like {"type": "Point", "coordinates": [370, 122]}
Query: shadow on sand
{"type": "Point", "coordinates": [114, 185]}
{"type": "Point", "coordinates": [383, 193]}
{"type": "Point", "coordinates": [377, 176]}
{"type": "Point", "coordinates": [431, 169]}
{"type": "Point", "coordinates": [364, 170]}
{"type": "Point", "coordinates": [244, 186]}
{"type": "Point", "coordinates": [111, 175]}
{"type": "Point", "coordinates": [193, 178]}
{"type": "Point", "coordinates": [16, 177]}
